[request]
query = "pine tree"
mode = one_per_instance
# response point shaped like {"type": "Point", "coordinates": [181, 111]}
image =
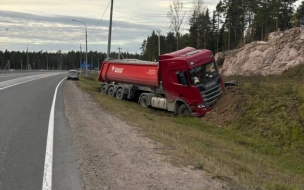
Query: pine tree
{"type": "Point", "coordinates": [300, 14]}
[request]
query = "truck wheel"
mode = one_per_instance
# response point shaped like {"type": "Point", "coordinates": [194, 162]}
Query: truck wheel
{"type": "Point", "coordinates": [144, 100]}
{"type": "Point", "coordinates": [103, 89]}
{"type": "Point", "coordinates": [111, 91]}
{"type": "Point", "coordinates": [183, 110]}
{"type": "Point", "coordinates": [120, 95]}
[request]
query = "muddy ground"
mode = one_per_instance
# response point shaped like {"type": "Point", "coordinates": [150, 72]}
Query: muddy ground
{"type": "Point", "coordinates": [115, 155]}
{"type": "Point", "coordinates": [227, 108]}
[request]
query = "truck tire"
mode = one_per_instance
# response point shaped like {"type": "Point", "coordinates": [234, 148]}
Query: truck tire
{"type": "Point", "coordinates": [120, 94]}
{"type": "Point", "coordinates": [144, 101]}
{"type": "Point", "coordinates": [183, 110]}
{"type": "Point", "coordinates": [111, 91]}
{"type": "Point", "coordinates": [103, 89]}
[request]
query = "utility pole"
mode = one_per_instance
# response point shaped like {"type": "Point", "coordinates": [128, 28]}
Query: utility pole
{"type": "Point", "coordinates": [158, 31]}
{"type": "Point", "coordinates": [7, 65]}
{"type": "Point", "coordinates": [86, 38]}
{"type": "Point", "coordinates": [110, 30]}
{"type": "Point", "coordinates": [80, 58]}
{"type": "Point", "coordinates": [92, 58]}
{"type": "Point", "coordinates": [98, 62]}
{"type": "Point", "coordinates": [47, 61]}
{"type": "Point", "coordinates": [27, 59]}
{"type": "Point", "coordinates": [119, 52]}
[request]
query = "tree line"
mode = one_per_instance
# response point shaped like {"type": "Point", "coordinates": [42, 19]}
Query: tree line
{"type": "Point", "coordinates": [54, 61]}
{"type": "Point", "coordinates": [231, 25]}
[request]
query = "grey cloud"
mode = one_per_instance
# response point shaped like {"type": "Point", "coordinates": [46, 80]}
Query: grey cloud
{"type": "Point", "coordinates": [57, 31]}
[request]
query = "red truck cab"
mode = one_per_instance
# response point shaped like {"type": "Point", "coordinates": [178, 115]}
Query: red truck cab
{"type": "Point", "coordinates": [191, 76]}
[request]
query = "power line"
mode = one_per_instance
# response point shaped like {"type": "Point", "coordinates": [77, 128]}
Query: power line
{"type": "Point", "coordinates": [101, 17]}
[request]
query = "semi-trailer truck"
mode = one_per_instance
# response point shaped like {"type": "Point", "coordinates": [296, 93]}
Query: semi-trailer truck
{"type": "Point", "coordinates": [185, 82]}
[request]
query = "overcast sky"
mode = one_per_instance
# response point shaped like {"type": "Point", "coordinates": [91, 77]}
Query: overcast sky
{"type": "Point", "coordinates": [48, 26]}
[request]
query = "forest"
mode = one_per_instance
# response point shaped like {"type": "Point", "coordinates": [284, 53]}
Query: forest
{"type": "Point", "coordinates": [231, 25]}
{"type": "Point", "coordinates": [54, 61]}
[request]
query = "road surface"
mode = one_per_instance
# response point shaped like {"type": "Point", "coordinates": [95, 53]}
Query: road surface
{"type": "Point", "coordinates": [26, 101]}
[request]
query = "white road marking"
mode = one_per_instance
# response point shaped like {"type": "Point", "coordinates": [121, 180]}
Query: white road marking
{"type": "Point", "coordinates": [14, 74]}
{"type": "Point", "coordinates": [48, 163]}
{"type": "Point", "coordinates": [17, 81]}
{"type": "Point", "coordinates": [8, 75]}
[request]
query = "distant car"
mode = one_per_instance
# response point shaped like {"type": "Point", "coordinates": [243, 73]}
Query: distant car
{"type": "Point", "coordinates": [73, 74]}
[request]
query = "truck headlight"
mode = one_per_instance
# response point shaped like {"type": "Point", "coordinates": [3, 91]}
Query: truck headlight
{"type": "Point", "coordinates": [201, 106]}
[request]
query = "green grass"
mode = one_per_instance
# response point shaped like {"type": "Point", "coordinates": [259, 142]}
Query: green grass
{"type": "Point", "coordinates": [262, 149]}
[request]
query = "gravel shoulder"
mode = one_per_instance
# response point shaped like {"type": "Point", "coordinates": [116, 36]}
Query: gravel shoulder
{"type": "Point", "coordinates": [115, 155]}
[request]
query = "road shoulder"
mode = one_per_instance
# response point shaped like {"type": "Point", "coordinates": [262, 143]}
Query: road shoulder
{"type": "Point", "coordinates": [115, 155]}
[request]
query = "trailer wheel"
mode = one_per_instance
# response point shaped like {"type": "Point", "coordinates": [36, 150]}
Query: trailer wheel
{"type": "Point", "coordinates": [111, 91]}
{"type": "Point", "coordinates": [183, 110]}
{"type": "Point", "coordinates": [103, 89]}
{"type": "Point", "coordinates": [120, 95]}
{"type": "Point", "coordinates": [144, 101]}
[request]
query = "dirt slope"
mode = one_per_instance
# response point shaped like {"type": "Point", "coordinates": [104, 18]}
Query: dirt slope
{"type": "Point", "coordinates": [226, 108]}
{"type": "Point", "coordinates": [114, 155]}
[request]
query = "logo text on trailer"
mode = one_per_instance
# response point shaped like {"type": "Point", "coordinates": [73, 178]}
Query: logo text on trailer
{"type": "Point", "coordinates": [117, 70]}
{"type": "Point", "coordinates": [151, 72]}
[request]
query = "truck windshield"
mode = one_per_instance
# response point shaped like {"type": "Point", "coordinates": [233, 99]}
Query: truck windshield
{"type": "Point", "coordinates": [204, 72]}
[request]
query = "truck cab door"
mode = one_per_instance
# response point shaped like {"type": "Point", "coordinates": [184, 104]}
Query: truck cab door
{"type": "Point", "coordinates": [180, 87]}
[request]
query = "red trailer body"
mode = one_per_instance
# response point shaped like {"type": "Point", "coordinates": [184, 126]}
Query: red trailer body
{"type": "Point", "coordinates": [130, 71]}
{"type": "Point", "coordinates": [185, 82]}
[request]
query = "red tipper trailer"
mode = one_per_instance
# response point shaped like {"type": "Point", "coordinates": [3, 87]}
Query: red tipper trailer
{"type": "Point", "coordinates": [184, 82]}
{"type": "Point", "coordinates": [131, 71]}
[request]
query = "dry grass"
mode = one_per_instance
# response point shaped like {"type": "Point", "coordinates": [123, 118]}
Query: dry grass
{"type": "Point", "coordinates": [235, 154]}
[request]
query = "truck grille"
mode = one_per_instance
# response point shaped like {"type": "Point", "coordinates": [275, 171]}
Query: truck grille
{"type": "Point", "coordinates": [210, 95]}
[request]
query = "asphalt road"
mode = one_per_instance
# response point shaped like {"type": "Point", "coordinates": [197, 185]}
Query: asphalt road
{"type": "Point", "coordinates": [25, 106]}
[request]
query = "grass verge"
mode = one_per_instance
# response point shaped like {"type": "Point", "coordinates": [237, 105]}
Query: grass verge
{"type": "Point", "coordinates": [262, 149]}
